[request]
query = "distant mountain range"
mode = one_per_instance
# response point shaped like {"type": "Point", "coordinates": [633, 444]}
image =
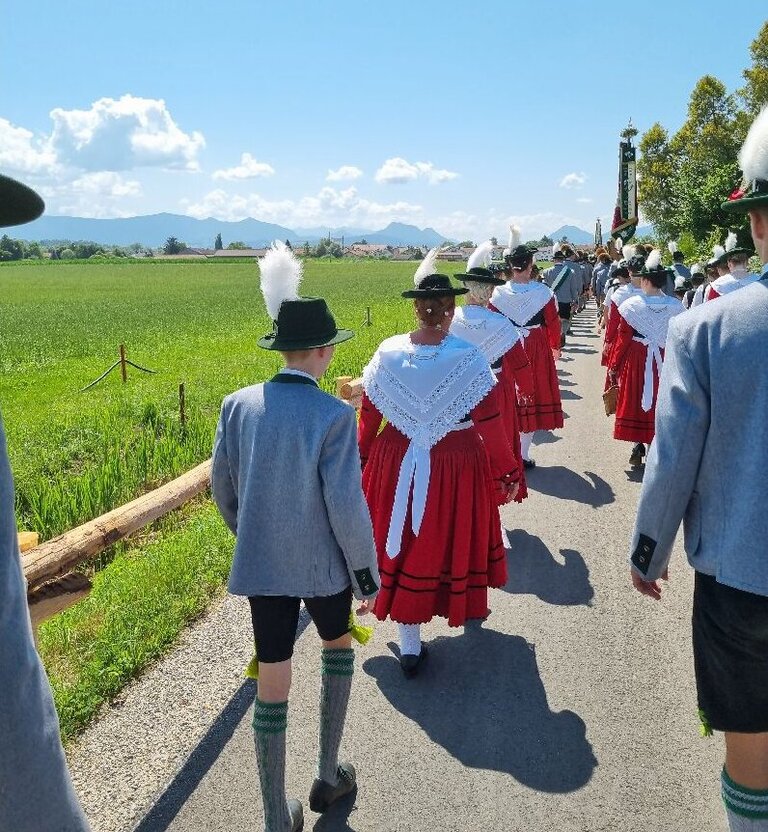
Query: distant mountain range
{"type": "Point", "coordinates": [154, 229]}
{"type": "Point", "coordinates": [581, 237]}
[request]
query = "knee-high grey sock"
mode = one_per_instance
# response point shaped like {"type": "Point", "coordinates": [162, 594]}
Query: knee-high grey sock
{"type": "Point", "coordinates": [410, 639]}
{"type": "Point", "coordinates": [747, 809]}
{"type": "Point", "coordinates": [269, 723]}
{"type": "Point", "coordinates": [338, 666]}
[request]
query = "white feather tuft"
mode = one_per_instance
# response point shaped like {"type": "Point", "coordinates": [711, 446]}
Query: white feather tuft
{"type": "Point", "coordinates": [653, 261]}
{"type": "Point", "coordinates": [697, 268]}
{"type": "Point", "coordinates": [281, 273]}
{"type": "Point", "coordinates": [515, 236]}
{"type": "Point", "coordinates": [427, 266]}
{"type": "Point", "coordinates": [481, 256]}
{"type": "Point", "coordinates": [672, 246]}
{"type": "Point", "coordinates": [730, 242]}
{"type": "Point", "coordinates": [619, 245]}
{"type": "Point", "coordinates": [628, 252]}
{"type": "Point", "coordinates": [556, 248]}
{"type": "Point", "coordinates": [753, 156]}
{"type": "Point", "coordinates": [717, 252]}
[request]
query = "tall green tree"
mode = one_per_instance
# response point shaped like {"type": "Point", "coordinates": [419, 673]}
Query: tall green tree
{"type": "Point", "coordinates": [218, 245]}
{"type": "Point", "coordinates": [172, 246]}
{"type": "Point", "coordinates": [755, 92]}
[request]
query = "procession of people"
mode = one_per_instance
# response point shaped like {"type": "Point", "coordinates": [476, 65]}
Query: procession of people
{"type": "Point", "coordinates": [399, 508]}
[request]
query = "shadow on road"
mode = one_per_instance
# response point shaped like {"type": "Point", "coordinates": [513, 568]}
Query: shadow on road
{"type": "Point", "coordinates": [533, 570]}
{"type": "Point", "coordinates": [561, 482]}
{"type": "Point", "coordinates": [569, 394]}
{"type": "Point", "coordinates": [493, 716]}
{"type": "Point", "coordinates": [545, 437]}
{"type": "Point", "coordinates": [580, 350]}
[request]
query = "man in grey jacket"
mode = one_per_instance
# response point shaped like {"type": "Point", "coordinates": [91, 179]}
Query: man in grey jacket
{"type": "Point", "coordinates": [36, 792]}
{"type": "Point", "coordinates": [564, 279]}
{"type": "Point", "coordinates": [287, 479]}
{"type": "Point", "coordinates": [711, 444]}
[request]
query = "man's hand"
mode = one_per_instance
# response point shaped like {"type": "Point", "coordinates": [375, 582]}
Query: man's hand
{"type": "Point", "coordinates": [650, 588]}
{"type": "Point", "coordinates": [366, 605]}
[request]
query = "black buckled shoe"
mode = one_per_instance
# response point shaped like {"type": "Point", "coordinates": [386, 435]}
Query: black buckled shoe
{"type": "Point", "coordinates": [636, 457]}
{"type": "Point", "coordinates": [529, 463]}
{"type": "Point", "coordinates": [410, 664]}
{"type": "Point", "coordinates": [323, 794]}
{"type": "Point", "coordinates": [296, 811]}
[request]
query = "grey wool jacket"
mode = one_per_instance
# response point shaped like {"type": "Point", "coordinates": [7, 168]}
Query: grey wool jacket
{"type": "Point", "coordinates": [36, 793]}
{"type": "Point", "coordinates": [286, 478]}
{"type": "Point", "coordinates": [569, 289]}
{"type": "Point", "coordinates": [707, 464]}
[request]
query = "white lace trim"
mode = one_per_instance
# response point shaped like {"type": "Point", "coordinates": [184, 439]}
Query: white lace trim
{"type": "Point", "coordinates": [521, 301]}
{"type": "Point", "coordinates": [650, 317]}
{"type": "Point", "coordinates": [493, 333]}
{"type": "Point", "coordinates": [621, 293]}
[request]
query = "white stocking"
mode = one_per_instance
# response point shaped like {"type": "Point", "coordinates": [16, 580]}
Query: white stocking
{"type": "Point", "coordinates": [525, 444]}
{"type": "Point", "coordinates": [410, 639]}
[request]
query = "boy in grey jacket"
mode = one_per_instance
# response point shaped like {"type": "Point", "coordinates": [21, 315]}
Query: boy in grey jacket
{"type": "Point", "coordinates": [711, 444]}
{"type": "Point", "coordinates": [36, 793]}
{"type": "Point", "coordinates": [286, 478]}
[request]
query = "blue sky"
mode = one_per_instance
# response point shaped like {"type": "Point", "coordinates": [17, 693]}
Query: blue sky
{"type": "Point", "coordinates": [462, 116]}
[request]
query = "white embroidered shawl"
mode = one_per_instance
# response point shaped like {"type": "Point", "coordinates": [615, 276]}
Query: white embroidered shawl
{"type": "Point", "coordinates": [424, 391]}
{"type": "Point", "coordinates": [521, 301]}
{"type": "Point", "coordinates": [723, 284]}
{"type": "Point", "coordinates": [621, 293]}
{"type": "Point", "coordinates": [737, 282]}
{"type": "Point", "coordinates": [649, 316]}
{"type": "Point", "coordinates": [494, 334]}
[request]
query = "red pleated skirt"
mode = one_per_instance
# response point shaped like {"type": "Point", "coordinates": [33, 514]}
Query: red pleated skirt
{"type": "Point", "coordinates": [633, 424]}
{"type": "Point", "coordinates": [446, 570]}
{"type": "Point", "coordinates": [547, 410]}
{"type": "Point", "coordinates": [507, 398]}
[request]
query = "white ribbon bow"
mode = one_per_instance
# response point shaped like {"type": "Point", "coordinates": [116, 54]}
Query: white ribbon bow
{"type": "Point", "coordinates": [652, 355]}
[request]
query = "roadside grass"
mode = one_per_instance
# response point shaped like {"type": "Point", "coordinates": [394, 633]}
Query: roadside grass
{"type": "Point", "coordinates": [140, 603]}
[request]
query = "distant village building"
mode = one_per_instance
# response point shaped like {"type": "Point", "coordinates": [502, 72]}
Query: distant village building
{"type": "Point", "coordinates": [229, 253]}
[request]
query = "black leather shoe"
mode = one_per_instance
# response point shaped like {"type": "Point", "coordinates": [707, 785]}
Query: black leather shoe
{"type": "Point", "coordinates": [410, 664]}
{"type": "Point", "coordinates": [529, 463]}
{"type": "Point", "coordinates": [323, 794]}
{"type": "Point", "coordinates": [296, 811]}
{"type": "Point", "coordinates": [636, 457]}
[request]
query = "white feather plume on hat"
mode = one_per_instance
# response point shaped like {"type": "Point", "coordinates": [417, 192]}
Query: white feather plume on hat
{"type": "Point", "coordinates": [481, 256]}
{"type": "Point", "coordinates": [515, 237]}
{"type": "Point", "coordinates": [717, 252]}
{"type": "Point", "coordinates": [628, 252]}
{"type": "Point", "coordinates": [653, 261]}
{"type": "Point", "coordinates": [697, 268]}
{"type": "Point", "coordinates": [426, 267]}
{"type": "Point", "coordinates": [753, 156]}
{"type": "Point", "coordinates": [281, 273]}
{"type": "Point", "coordinates": [619, 245]}
{"type": "Point", "coordinates": [730, 242]}
{"type": "Point", "coordinates": [556, 249]}
{"type": "Point", "coordinates": [672, 246]}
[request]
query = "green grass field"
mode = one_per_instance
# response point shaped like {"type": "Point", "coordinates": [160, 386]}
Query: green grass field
{"type": "Point", "coordinates": [76, 455]}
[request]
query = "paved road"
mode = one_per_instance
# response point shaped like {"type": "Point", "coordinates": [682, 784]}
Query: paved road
{"type": "Point", "coordinates": [571, 708]}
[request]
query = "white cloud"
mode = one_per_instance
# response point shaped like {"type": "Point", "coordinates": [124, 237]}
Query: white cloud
{"type": "Point", "coordinates": [329, 206]}
{"type": "Point", "coordinates": [586, 200]}
{"type": "Point", "coordinates": [398, 171]}
{"type": "Point", "coordinates": [344, 173]}
{"type": "Point", "coordinates": [573, 180]}
{"type": "Point", "coordinates": [124, 133]}
{"type": "Point", "coordinates": [102, 194]}
{"type": "Point", "coordinates": [249, 168]}
{"type": "Point", "coordinates": [22, 152]}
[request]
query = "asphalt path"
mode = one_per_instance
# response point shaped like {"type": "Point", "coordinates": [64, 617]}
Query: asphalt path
{"type": "Point", "coordinates": [571, 708]}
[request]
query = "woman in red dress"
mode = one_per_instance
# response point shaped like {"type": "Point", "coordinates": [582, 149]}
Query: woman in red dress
{"type": "Point", "coordinates": [532, 308]}
{"type": "Point", "coordinates": [429, 476]}
{"type": "Point", "coordinates": [637, 356]}
{"type": "Point", "coordinates": [502, 344]}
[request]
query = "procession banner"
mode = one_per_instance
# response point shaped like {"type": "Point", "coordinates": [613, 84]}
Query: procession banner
{"type": "Point", "coordinates": [625, 213]}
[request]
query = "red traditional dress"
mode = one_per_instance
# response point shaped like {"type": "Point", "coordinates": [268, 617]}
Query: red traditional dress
{"type": "Point", "coordinates": [636, 359]}
{"type": "Point", "coordinates": [501, 343]}
{"type": "Point", "coordinates": [429, 478]}
{"type": "Point", "coordinates": [727, 283]}
{"type": "Point", "coordinates": [532, 307]}
{"type": "Point", "coordinates": [618, 296]}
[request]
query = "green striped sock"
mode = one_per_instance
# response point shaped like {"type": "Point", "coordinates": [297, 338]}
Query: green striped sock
{"type": "Point", "coordinates": [270, 720]}
{"type": "Point", "coordinates": [338, 667]}
{"type": "Point", "coordinates": [747, 809]}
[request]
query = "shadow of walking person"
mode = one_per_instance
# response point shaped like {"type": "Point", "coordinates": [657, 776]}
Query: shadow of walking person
{"type": "Point", "coordinates": [495, 716]}
{"type": "Point", "coordinates": [561, 482]}
{"type": "Point", "coordinates": [533, 570]}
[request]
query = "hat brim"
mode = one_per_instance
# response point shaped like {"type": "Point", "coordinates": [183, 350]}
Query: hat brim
{"type": "Point", "coordinates": [737, 250]}
{"type": "Point", "coordinates": [18, 203]}
{"type": "Point", "coordinates": [434, 293]}
{"type": "Point", "coordinates": [491, 281]}
{"type": "Point", "coordinates": [745, 203]}
{"type": "Point", "coordinates": [270, 342]}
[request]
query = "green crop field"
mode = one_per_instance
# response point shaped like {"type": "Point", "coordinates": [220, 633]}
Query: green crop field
{"type": "Point", "coordinates": [77, 454]}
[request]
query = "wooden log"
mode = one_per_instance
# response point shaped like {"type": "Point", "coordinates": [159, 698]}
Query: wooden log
{"type": "Point", "coordinates": [58, 556]}
{"type": "Point", "coordinates": [57, 596]}
{"type": "Point", "coordinates": [28, 540]}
